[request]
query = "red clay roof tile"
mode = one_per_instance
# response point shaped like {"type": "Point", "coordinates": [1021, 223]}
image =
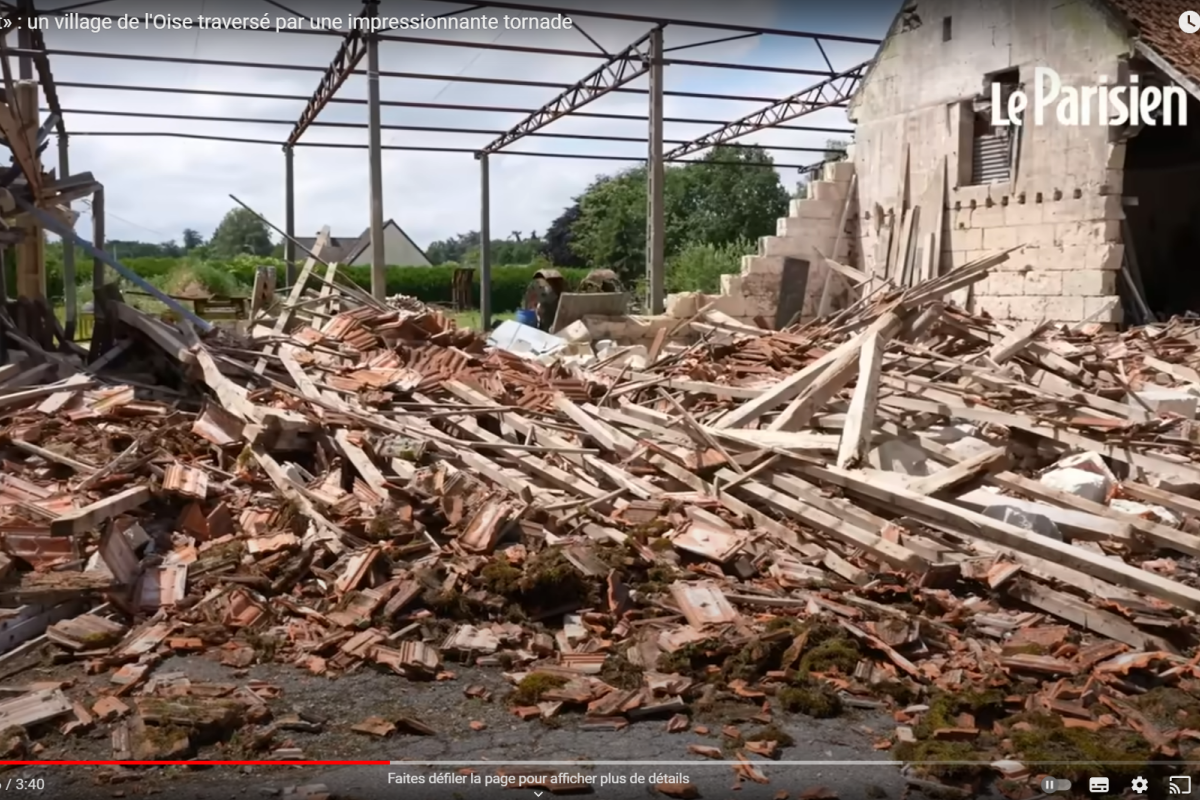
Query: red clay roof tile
{"type": "Point", "coordinates": [1157, 24]}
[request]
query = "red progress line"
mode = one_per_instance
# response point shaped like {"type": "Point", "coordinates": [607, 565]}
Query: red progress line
{"type": "Point", "coordinates": [275, 762]}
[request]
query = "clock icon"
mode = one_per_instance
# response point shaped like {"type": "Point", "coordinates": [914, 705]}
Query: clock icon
{"type": "Point", "coordinates": [1189, 22]}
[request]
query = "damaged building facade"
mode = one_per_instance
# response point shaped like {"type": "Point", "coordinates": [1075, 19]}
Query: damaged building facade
{"type": "Point", "coordinates": [1086, 201]}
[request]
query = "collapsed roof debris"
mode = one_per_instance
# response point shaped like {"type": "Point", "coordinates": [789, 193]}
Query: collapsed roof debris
{"type": "Point", "coordinates": [989, 532]}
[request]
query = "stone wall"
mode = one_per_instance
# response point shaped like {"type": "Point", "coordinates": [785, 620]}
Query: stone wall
{"type": "Point", "coordinates": [811, 226]}
{"type": "Point", "coordinates": [1064, 203]}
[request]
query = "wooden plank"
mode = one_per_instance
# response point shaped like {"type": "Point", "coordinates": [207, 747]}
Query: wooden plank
{"type": "Point", "coordinates": [972, 524]}
{"type": "Point", "coordinates": [1087, 616]}
{"type": "Point", "coordinates": [840, 372]}
{"type": "Point", "coordinates": [85, 519]}
{"type": "Point", "coordinates": [772, 397]}
{"type": "Point", "coordinates": [860, 419]}
{"type": "Point", "coordinates": [1067, 439]}
{"type": "Point", "coordinates": [25, 395]}
{"type": "Point", "coordinates": [156, 331]}
{"type": "Point", "coordinates": [294, 296]}
{"type": "Point", "coordinates": [59, 400]}
{"type": "Point", "coordinates": [1157, 533]}
{"type": "Point", "coordinates": [843, 530]}
{"type": "Point", "coordinates": [1016, 341]}
{"type": "Point", "coordinates": [939, 222]}
{"type": "Point", "coordinates": [988, 461]}
{"type": "Point", "coordinates": [362, 463]}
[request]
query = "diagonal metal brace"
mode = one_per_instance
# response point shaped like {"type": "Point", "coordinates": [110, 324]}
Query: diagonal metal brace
{"type": "Point", "coordinates": [622, 68]}
{"type": "Point", "coordinates": [827, 93]}
{"type": "Point", "coordinates": [50, 223]}
{"type": "Point", "coordinates": [351, 52]}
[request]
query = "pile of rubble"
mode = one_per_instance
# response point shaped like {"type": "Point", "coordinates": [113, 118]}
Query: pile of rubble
{"type": "Point", "coordinates": [402, 302]}
{"type": "Point", "coordinates": [988, 532]}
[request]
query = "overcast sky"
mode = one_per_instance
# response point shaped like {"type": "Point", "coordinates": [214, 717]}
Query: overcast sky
{"type": "Point", "coordinates": [157, 186]}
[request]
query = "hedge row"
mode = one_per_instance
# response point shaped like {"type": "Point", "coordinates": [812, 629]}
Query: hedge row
{"type": "Point", "coordinates": [430, 284]}
{"type": "Point", "coordinates": [436, 284]}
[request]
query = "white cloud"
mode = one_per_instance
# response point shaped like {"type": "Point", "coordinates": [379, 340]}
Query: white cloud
{"type": "Point", "coordinates": [156, 187]}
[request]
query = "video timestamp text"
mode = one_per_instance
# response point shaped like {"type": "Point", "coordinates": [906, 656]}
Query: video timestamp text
{"type": "Point", "coordinates": [23, 784]}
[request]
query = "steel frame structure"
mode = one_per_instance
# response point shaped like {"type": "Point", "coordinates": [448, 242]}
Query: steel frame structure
{"type": "Point", "coordinates": [645, 56]}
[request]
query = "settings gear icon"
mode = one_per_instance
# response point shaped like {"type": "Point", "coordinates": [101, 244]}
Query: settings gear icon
{"type": "Point", "coordinates": [1140, 785]}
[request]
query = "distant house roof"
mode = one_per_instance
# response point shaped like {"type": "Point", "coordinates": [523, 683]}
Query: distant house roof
{"type": "Point", "coordinates": [345, 251]}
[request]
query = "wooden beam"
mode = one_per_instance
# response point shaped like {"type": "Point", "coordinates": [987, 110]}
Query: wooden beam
{"type": "Point", "coordinates": [84, 519]}
{"type": "Point", "coordinates": [294, 296]}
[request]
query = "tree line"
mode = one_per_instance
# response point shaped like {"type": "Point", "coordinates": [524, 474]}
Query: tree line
{"type": "Point", "coordinates": [714, 212]}
{"type": "Point", "coordinates": [715, 208]}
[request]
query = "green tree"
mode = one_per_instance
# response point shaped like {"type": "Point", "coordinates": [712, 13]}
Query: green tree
{"type": "Point", "coordinates": [611, 229]}
{"type": "Point", "coordinates": [733, 202]}
{"type": "Point", "coordinates": [704, 203]}
{"type": "Point", "coordinates": [241, 232]}
{"type": "Point", "coordinates": [699, 267]}
{"type": "Point", "coordinates": [191, 239]}
{"type": "Point", "coordinates": [557, 245]}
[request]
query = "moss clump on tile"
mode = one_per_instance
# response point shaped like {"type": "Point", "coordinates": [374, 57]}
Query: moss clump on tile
{"type": "Point", "coordinates": [1078, 752]}
{"type": "Point", "coordinates": [944, 709]}
{"type": "Point", "coordinates": [619, 672]}
{"type": "Point", "coordinates": [500, 577]}
{"type": "Point", "coordinates": [839, 653]}
{"type": "Point", "coordinates": [755, 659]}
{"type": "Point", "coordinates": [453, 604]}
{"type": "Point", "coordinates": [649, 532]}
{"type": "Point", "coordinates": [811, 699]}
{"type": "Point", "coordinates": [1170, 707]}
{"type": "Point", "coordinates": [531, 688]}
{"type": "Point", "coordinates": [902, 692]}
{"type": "Point", "coordinates": [550, 580]}
{"type": "Point", "coordinates": [955, 762]}
{"type": "Point", "coordinates": [691, 659]}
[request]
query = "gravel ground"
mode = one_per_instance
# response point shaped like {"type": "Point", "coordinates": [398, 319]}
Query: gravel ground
{"type": "Point", "coordinates": [443, 706]}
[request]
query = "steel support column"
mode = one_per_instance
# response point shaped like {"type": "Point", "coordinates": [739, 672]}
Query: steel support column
{"type": "Point", "coordinates": [25, 42]}
{"type": "Point", "coordinates": [375, 147]}
{"type": "Point", "coordinates": [289, 212]}
{"type": "Point", "coordinates": [97, 264]}
{"type": "Point", "coordinates": [69, 296]}
{"type": "Point", "coordinates": [485, 240]}
{"type": "Point", "coordinates": [655, 175]}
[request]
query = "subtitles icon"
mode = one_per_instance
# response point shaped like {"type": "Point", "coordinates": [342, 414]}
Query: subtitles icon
{"type": "Point", "coordinates": [1189, 22]}
{"type": "Point", "coordinates": [1098, 785]}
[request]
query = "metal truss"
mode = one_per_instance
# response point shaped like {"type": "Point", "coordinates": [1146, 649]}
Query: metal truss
{"type": "Point", "coordinates": [621, 69]}
{"type": "Point", "coordinates": [351, 52]}
{"type": "Point", "coordinates": [46, 79]}
{"type": "Point", "coordinates": [826, 94]}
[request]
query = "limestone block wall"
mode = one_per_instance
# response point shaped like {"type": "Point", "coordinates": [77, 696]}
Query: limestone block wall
{"type": "Point", "coordinates": [811, 225]}
{"type": "Point", "coordinates": [1063, 202]}
{"type": "Point", "coordinates": [1069, 267]}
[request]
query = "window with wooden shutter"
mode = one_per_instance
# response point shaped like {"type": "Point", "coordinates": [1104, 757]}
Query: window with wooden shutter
{"type": "Point", "coordinates": [993, 147]}
{"type": "Point", "coordinates": [991, 158]}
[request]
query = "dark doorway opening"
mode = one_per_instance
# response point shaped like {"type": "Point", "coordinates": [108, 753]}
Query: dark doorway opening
{"type": "Point", "coordinates": [1162, 231]}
